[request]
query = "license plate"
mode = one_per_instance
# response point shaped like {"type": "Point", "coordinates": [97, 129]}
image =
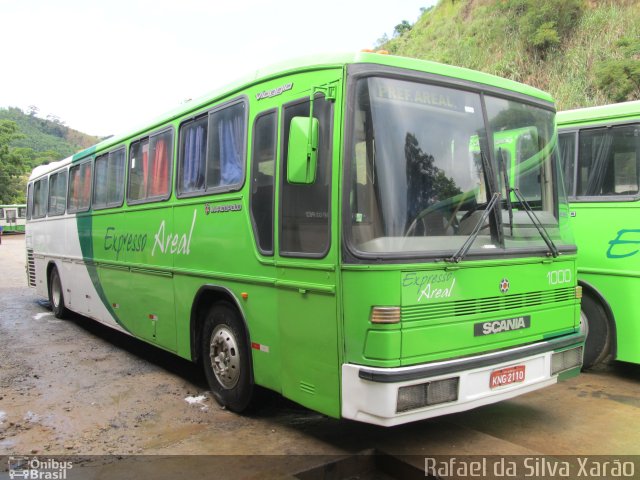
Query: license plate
{"type": "Point", "coordinates": [506, 376]}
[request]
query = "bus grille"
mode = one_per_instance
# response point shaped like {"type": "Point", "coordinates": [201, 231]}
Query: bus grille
{"type": "Point", "coordinates": [476, 306]}
{"type": "Point", "coordinates": [31, 269]}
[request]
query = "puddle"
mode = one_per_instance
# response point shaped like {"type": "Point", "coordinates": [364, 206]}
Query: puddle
{"type": "Point", "coordinates": [370, 465]}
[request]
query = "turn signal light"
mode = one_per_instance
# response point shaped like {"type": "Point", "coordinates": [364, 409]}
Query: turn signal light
{"type": "Point", "coordinates": [578, 291]}
{"type": "Point", "coordinates": [385, 315]}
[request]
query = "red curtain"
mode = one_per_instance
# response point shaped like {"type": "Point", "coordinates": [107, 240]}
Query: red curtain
{"type": "Point", "coordinates": [160, 174]}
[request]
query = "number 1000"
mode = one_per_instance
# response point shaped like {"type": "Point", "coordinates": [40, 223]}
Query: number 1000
{"type": "Point", "coordinates": [557, 277]}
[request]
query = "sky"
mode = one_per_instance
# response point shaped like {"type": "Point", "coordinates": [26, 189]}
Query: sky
{"type": "Point", "coordinates": [105, 66]}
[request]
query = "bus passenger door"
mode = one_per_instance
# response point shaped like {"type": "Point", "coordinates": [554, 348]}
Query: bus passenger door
{"type": "Point", "coordinates": [306, 267]}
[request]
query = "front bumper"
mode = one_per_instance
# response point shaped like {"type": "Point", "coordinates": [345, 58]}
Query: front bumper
{"type": "Point", "coordinates": [370, 394]}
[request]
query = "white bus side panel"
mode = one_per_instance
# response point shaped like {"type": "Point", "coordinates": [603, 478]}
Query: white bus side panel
{"type": "Point", "coordinates": [56, 240]}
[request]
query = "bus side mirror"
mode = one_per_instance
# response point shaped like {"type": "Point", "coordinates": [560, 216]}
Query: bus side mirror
{"type": "Point", "coordinates": [302, 153]}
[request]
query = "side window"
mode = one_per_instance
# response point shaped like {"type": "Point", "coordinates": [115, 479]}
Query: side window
{"type": "Point", "coordinates": [1, 212]}
{"type": "Point", "coordinates": [100, 182]}
{"type": "Point", "coordinates": [138, 170]}
{"type": "Point", "coordinates": [150, 168]}
{"type": "Point", "coordinates": [263, 161]}
{"type": "Point", "coordinates": [226, 152]}
{"type": "Point", "coordinates": [79, 187]}
{"type": "Point", "coordinates": [304, 224]}
{"type": "Point", "coordinates": [212, 151]}
{"type": "Point", "coordinates": [193, 153]}
{"type": "Point", "coordinates": [567, 150]}
{"type": "Point", "coordinates": [22, 212]}
{"type": "Point", "coordinates": [108, 184]}
{"type": "Point", "coordinates": [40, 198]}
{"type": "Point", "coordinates": [608, 161]}
{"type": "Point", "coordinates": [29, 200]}
{"type": "Point", "coordinates": [58, 193]}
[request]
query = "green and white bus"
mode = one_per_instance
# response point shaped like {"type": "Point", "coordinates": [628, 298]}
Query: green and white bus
{"type": "Point", "coordinates": [600, 148]}
{"type": "Point", "coordinates": [323, 229]}
{"type": "Point", "coordinates": [13, 218]}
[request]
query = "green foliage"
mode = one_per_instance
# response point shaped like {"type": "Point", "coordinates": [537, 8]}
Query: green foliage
{"type": "Point", "coordinates": [13, 165]}
{"type": "Point", "coordinates": [46, 135]}
{"type": "Point", "coordinates": [554, 45]}
{"type": "Point", "coordinates": [27, 141]}
{"type": "Point", "coordinates": [545, 36]}
{"type": "Point", "coordinates": [543, 23]}
{"type": "Point", "coordinates": [620, 79]}
{"type": "Point", "coordinates": [401, 28]}
{"type": "Point", "coordinates": [629, 46]}
{"type": "Point", "coordinates": [381, 41]}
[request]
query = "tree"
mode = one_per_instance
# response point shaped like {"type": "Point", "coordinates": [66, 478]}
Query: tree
{"type": "Point", "coordinates": [381, 41]}
{"type": "Point", "coordinates": [401, 28]}
{"type": "Point", "coordinates": [13, 166]}
{"type": "Point", "coordinates": [619, 79]}
{"type": "Point", "coordinates": [542, 24]}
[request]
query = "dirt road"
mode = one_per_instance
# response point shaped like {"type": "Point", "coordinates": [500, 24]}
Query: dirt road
{"type": "Point", "coordinates": [75, 387]}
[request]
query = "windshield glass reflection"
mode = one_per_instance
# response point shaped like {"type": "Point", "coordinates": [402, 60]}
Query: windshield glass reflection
{"type": "Point", "coordinates": [422, 171]}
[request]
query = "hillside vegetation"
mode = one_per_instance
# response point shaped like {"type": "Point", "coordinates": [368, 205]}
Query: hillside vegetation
{"type": "Point", "coordinates": [583, 52]}
{"type": "Point", "coordinates": [48, 135]}
{"type": "Point", "coordinates": [27, 141]}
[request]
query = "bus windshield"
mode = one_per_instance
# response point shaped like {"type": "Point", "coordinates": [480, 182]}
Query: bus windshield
{"type": "Point", "coordinates": [422, 172]}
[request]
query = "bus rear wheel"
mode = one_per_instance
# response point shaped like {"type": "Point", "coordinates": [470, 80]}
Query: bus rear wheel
{"type": "Point", "coordinates": [56, 296]}
{"type": "Point", "coordinates": [595, 325]}
{"type": "Point", "coordinates": [226, 358]}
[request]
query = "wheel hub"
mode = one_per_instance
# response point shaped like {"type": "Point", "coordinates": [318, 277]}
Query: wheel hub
{"type": "Point", "coordinates": [224, 356]}
{"type": "Point", "coordinates": [56, 290]}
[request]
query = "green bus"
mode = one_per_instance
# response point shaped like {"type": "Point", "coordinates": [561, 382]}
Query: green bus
{"type": "Point", "coordinates": [323, 229]}
{"type": "Point", "coordinates": [13, 218]}
{"type": "Point", "coordinates": [600, 149]}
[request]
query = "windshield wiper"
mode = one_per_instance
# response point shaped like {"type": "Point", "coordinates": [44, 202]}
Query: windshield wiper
{"type": "Point", "coordinates": [462, 251]}
{"type": "Point", "coordinates": [536, 222]}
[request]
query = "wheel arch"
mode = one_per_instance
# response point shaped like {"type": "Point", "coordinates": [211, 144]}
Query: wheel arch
{"type": "Point", "coordinates": [205, 298]}
{"type": "Point", "coordinates": [594, 293]}
{"type": "Point", "coordinates": [50, 266]}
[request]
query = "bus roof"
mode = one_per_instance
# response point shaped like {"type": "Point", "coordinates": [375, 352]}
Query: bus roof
{"type": "Point", "coordinates": [49, 167]}
{"type": "Point", "coordinates": [601, 114]}
{"type": "Point", "coordinates": [334, 60]}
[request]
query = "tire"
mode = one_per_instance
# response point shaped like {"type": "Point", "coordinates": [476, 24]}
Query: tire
{"type": "Point", "coordinates": [595, 324]}
{"type": "Point", "coordinates": [56, 295]}
{"type": "Point", "coordinates": [226, 358]}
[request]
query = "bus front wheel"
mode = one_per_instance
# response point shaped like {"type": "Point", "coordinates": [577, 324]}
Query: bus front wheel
{"type": "Point", "coordinates": [594, 323]}
{"type": "Point", "coordinates": [226, 358]}
{"type": "Point", "coordinates": [56, 296]}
